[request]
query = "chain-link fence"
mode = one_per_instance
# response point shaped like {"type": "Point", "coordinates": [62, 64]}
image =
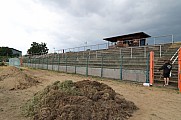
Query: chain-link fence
{"type": "Point", "coordinates": [120, 63]}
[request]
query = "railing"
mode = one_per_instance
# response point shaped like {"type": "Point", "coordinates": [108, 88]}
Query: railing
{"type": "Point", "coordinates": [128, 52]}
{"type": "Point", "coordinates": [174, 57]}
{"type": "Point", "coordinates": [142, 50]}
{"type": "Point", "coordinates": [161, 39]}
{"type": "Point", "coordinates": [85, 48]}
{"type": "Point", "coordinates": [101, 67]}
{"type": "Point", "coordinates": [156, 40]}
{"type": "Point", "coordinates": [99, 47]}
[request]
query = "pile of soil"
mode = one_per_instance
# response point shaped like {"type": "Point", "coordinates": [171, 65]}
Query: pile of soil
{"type": "Point", "coordinates": [13, 78]}
{"type": "Point", "coordinates": [83, 100]}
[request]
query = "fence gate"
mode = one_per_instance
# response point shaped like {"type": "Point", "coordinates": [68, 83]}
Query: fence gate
{"type": "Point", "coordinates": [14, 62]}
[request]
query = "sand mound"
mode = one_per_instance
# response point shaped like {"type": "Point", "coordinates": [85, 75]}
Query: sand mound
{"type": "Point", "coordinates": [84, 100]}
{"type": "Point", "coordinates": [13, 78]}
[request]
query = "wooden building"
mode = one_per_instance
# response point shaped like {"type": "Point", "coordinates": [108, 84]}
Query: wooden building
{"type": "Point", "coordinates": [135, 39]}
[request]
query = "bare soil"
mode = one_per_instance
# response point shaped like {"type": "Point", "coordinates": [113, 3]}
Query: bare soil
{"type": "Point", "coordinates": [13, 78]}
{"type": "Point", "coordinates": [154, 103]}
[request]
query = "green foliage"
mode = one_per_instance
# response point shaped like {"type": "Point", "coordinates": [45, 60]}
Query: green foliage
{"type": "Point", "coordinates": [68, 88]}
{"type": "Point", "coordinates": [31, 106]}
{"type": "Point", "coordinates": [5, 51]}
{"type": "Point", "coordinates": [65, 85]}
{"type": "Point", "coordinates": [38, 49]}
{"type": "Point", "coordinates": [4, 58]}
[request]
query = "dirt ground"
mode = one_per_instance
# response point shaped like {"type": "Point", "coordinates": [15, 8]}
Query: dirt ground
{"type": "Point", "coordinates": [154, 103]}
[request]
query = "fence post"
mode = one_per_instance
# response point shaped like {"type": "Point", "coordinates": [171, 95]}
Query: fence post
{"type": "Point", "coordinates": [87, 66]}
{"type": "Point", "coordinates": [172, 39]}
{"type": "Point", "coordinates": [52, 62]}
{"type": "Point", "coordinates": [26, 64]}
{"type": "Point", "coordinates": [47, 62]}
{"type": "Point", "coordinates": [147, 68]}
{"type": "Point", "coordinates": [160, 51]}
{"type": "Point", "coordinates": [35, 63]}
{"type": "Point", "coordinates": [131, 52]}
{"type": "Point", "coordinates": [30, 63]}
{"type": "Point", "coordinates": [96, 54]}
{"type": "Point", "coordinates": [63, 54]}
{"type": "Point", "coordinates": [179, 69]}
{"type": "Point", "coordinates": [59, 62]}
{"type": "Point", "coordinates": [38, 63]}
{"type": "Point", "coordinates": [27, 61]}
{"type": "Point", "coordinates": [66, 64]}
{"type": "Point", "coordinates": [102, 66]}
{"type": "Point", "coordinates": [121, 68]}
{"type": "Point", "coordinates": [107, 46]}
{"type": "Point", "coordinates": [42, 63]}
{"type": "Point", "coordinates": [75, 64]}
{"type": "Point", "coordinates": [89, 55]}
{"type": "Point", "coordinates": [120, 52]}
{"type": "Point", "coordinates": [144, 52]}
{"type": "Point", "coordinates": [151, 68]}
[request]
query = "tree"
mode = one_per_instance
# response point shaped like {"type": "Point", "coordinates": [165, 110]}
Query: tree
{"type": "Point", "coordinates": [5, 51]}
{"type": "Point", "coordinates": [38, 49]}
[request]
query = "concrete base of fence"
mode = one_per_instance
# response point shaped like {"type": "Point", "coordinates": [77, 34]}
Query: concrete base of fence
{"type": "Point", "coordinates": [131, 75]}
{"type": "Point", "coordinates": [111, 73]}
{"type": "Point", "coordinates": [94, 72]}
{"type": "Point", "coordinates": [134, 75]}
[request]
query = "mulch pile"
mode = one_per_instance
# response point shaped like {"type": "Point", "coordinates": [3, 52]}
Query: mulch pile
{"type": "Point", "coordinates": [13, 78]}
{"type": "Point", "coordinates": [83, 100]}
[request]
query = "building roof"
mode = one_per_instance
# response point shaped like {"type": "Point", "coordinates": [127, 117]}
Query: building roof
{"type": "Point", "coordinates": [138, 35]}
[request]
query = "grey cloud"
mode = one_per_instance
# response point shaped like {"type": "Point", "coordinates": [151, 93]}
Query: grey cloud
{"type": "Point", "coordinates": [55, 3]}
{"type": "Point", "coordinates": [91, 20]}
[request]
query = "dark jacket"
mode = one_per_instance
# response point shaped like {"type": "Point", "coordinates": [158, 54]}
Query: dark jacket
{"type": "Point", "coordinates": [167, 67]}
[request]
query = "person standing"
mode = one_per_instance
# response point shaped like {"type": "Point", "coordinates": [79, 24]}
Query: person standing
{"type": "Point", "coordinates": [167, 67]}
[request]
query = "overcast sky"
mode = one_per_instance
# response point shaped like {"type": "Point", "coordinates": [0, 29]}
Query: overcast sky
{"type": "Point", "coordinates": [70, 23]}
